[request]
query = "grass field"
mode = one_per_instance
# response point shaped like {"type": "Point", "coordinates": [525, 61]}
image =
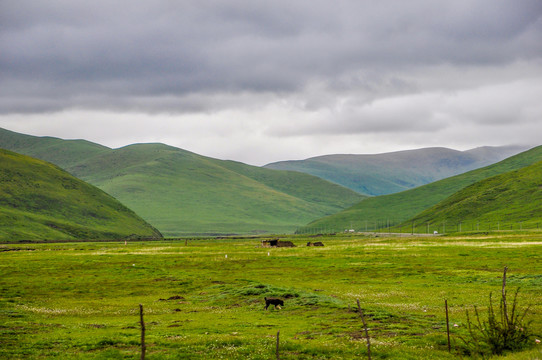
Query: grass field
{"type": "Point", "coordinates": [81, 300]}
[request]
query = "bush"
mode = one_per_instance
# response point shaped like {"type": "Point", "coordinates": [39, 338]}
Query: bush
{"type": "Point", "coordinates": [504, 331]}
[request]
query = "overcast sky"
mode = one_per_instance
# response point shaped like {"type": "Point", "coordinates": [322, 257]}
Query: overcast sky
{"type": "Point", "coordinates": [262, 81]}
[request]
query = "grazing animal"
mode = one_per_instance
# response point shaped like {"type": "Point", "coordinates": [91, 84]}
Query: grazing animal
{"type": "Point", "coordinates": [273, 301]}
{"type": "Point", "coordinates": [318, 243]}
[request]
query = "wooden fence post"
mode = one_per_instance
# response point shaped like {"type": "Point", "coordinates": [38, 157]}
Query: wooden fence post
{"type": "Point", "coordinates": [447, 325]}
{"type": "Point", "coordinates": [143, 347]}
{"type": "Point", "coordinates": [277, 349]}
{"type": "Point", "coordinates": [366, 331]}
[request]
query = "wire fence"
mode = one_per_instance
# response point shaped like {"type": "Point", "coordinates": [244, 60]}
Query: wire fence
{"type": "Point", "coordinates": [425, 227]}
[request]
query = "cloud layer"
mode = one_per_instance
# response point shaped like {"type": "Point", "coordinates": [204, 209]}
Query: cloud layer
{"type": "Point", "coordinates": [306, 72]}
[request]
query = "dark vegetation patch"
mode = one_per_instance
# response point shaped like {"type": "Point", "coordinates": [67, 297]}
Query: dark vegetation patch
{"type": "Point", "coordinates": [4, 249]}
{"type": "Point", "coordinates": [174, 297]}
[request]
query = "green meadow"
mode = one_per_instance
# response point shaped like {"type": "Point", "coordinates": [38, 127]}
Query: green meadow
{"type": "Point", "coordinates": [203, 298]}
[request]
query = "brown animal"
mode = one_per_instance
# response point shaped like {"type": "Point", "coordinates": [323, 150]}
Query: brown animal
{"type": "Point", "coordinates": [318, 243]}
{"type": "Point", "coordinates": [273, 301]}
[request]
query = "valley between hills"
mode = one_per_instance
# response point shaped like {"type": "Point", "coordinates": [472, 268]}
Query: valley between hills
{"type": "Point", "coordinates": [186, 194]}
{"type": "Point", "coordinates": [180, 193]}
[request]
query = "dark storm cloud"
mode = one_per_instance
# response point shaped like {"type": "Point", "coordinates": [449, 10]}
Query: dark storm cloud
{"type": "Point", "coordinates": [173, 56]}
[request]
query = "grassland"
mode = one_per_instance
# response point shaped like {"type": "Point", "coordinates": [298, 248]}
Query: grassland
{"type": "Point", "coordinates": [39, 201]}
{"type": "Point", "coordinates": [80, 300]}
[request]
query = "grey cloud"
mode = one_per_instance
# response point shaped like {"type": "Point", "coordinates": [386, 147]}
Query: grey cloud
{"type": "Point", "coordinates": [486, 108]}
{"type": "Point", "coordinates": [102, 54]}
{"type": "Point", "coordinates": [393, 115]}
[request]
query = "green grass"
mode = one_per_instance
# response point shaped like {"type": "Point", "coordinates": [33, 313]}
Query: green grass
{"type": "Point", "coordinates": [377, 212]}
{"type": "Point", "coordinates": [182, 193]}
{"type": "Point", "coordinates": [39, 201]}
{"type": "Point", "coordinates": [502, 201]}
{"type": "Point", "coordinates": [80, 300]}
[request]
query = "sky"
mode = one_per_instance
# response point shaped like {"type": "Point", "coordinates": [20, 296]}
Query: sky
{"type": "Point", "coordinates": [264, 81]}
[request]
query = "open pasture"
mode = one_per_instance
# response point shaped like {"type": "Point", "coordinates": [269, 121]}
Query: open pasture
{"type": "Point", "coordinates": [206, 300]}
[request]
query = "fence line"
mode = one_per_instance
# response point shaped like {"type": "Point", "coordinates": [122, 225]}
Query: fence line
{"type": "Point", "coordinates": [440, 227]}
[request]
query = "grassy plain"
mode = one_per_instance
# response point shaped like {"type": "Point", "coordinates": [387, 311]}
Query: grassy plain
{"type": "Point", "coordinates": [80, 300]}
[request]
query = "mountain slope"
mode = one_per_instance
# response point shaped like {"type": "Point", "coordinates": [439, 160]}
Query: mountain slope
{"type": "Point", "coordinates": [505, 199]}
{"type": "Point", "coordinates": [49, 148]}
{"type": "Point", "coordinates": [184, 193]}
{"type": "Point", "coordinates": [388, 173]}
{"type": "Point", "coordinates": [394, 208]}
{"type": "Point", "coordinates": [181, 193]}
{"type": "Point", "coordinates": [39, 201]}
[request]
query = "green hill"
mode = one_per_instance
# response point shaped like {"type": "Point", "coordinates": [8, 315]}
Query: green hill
{"type": "Point", "coordinates": [63, 152]}
{"type": "Point", "coordinates": [499, 202]}
{"type": "Point", "coordinates": [183, 193]}
{"type": "Point", "coordinates": [389, 173]}
{"type": "Point", "coordinates": [39, 201]}
{"type": "Point", "coordinates": [379, 211]}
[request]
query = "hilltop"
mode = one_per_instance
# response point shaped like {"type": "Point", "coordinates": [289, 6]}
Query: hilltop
{"type": "Point", "coordinates": [388, 173]}
{"type": "Point", "coordinates": [40, 201]}
{"type": "Point", "coordinates": [183, 193]}
{"type": "Point", "coordinates": [502, 201]}
{"type": "Point", "coordinates": [395, 208]}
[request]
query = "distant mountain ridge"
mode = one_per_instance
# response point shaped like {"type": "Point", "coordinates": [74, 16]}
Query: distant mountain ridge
{"type": "Point", "coordinates": [40, 201]}
{"type": "Point", "coordinates": [183, 193]}
{"type": "Point", "coordinates": [388, 173]}
{"type": "Point", "coordinates": [398, 207]}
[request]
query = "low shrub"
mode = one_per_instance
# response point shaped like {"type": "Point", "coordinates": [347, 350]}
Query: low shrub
{"type": "Point", "coordinates": [507, 330]}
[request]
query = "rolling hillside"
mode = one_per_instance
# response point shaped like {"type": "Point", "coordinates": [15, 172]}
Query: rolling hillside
{"type": "Point", "coordinates": [376, 211]}
{"type": "Point", "coordinates": [502, 201]}
{"type": "Point", "coordinates": [389, 173]}
{"type": "Point", "coordinates": [182, 193]}
{"type": "Point", "coordinates": [39, 201]}
{"type": "Point", "coordinates": [57, 151]}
